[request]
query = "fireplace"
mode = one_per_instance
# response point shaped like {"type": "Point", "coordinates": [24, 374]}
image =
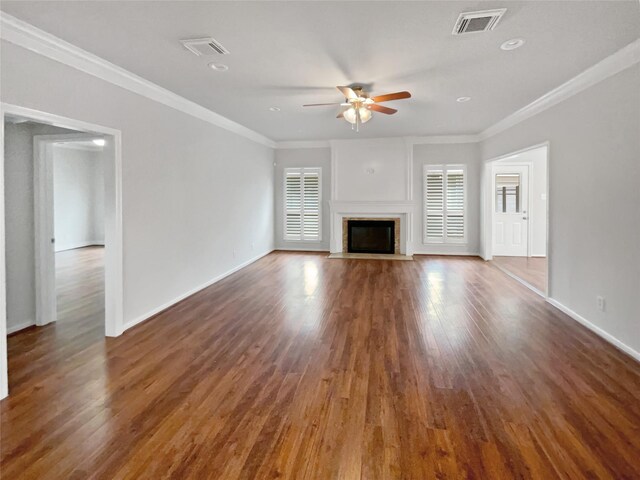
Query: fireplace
{"type": "Point", "coordinates": [400, 214]}
{"type": "Point", "coordinates": [371, 235]}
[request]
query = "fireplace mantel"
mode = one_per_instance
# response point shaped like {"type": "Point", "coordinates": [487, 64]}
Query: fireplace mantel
{"type": "Point", "coordinates": [402, 206]}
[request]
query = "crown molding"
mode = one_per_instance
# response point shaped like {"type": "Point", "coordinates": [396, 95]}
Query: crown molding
{"type": "Point", "coordinates": [426, 140]}
{"type": "Point", "coordinates": [615, 63]}
{"type": "Point", "coordinates": [31, 38]}
{"type": "Point", "coordinates": [443, 139]}
{"type": "Point", "coordinates": [27, 36]}
{"type": "Point", "coordinates": [303, 144]}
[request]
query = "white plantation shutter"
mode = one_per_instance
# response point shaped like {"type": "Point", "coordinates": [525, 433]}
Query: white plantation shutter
{"type": "Point", "coordinates": [434, 205]}
{"type": "Point", "coordinates": [293, 204]}
{"type": "Point", "coordinates": [311, 206]}
{"type": "Point", "coordinates": [444, 204]}
{"type": "Point", "coordinates": [455, 204]}
{"type": "Point", "coordinates": [302, 202]}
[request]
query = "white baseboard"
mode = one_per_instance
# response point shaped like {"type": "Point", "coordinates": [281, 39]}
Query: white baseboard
{"type": "Point", "coordinates": [595, 329]}
{"type": "Point", "coordinates": [72, 246]}
{"type": "Point", "coordinates": [21, 326]}
{"type": "Point", "coordinates": [159, 309]}
{"type": "Point", "coordinates": [302, 249]}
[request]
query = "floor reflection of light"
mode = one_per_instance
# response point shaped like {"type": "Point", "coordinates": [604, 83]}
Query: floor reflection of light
{"type": "Point", "coordinates": [434, 286]}
{"type": "Point", "coordinates": [304, 312]}
{"type": "Point", "coordinates": [97, 431]}
{"type": "Point", "coordinates": [310, 278]}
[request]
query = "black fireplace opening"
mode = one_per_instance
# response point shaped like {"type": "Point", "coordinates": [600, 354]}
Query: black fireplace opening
{"type": "Point", "coordinates": [371, 236]}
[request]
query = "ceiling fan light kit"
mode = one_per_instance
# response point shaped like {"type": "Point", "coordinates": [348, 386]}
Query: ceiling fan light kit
{"type": "Point", "coordinates": [355, 116]}
{"type": "Point", "coordinates": [360, 106]}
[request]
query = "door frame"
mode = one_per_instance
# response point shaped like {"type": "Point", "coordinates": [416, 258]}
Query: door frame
{"type": "Point", "coordinates": [114, 298]}
{"type": "Point", "coordinates": [43, 206]}
{"type": "Point", "coordinates": [493, 199]}
{"type": "Point", "coordinates": [486, 210]}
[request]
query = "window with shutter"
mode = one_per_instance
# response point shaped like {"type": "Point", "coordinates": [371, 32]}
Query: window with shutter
{"type": "Point", "coordinates": [302, 204]}
{"type": "Point", "coordinates": [434, 205]}
{"type": "Point", "coordinates": [444, 204]}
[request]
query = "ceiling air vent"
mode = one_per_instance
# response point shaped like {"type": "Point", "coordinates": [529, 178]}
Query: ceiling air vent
{"type": "Point", "coordinates": [484, 21]}
{"type": "Point", "coordinates": [204, 46]}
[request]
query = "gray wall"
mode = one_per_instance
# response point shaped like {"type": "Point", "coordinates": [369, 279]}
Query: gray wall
{"type": "Point", "coordinates": [197, 199]}
{"type": "Point", "coordinates": [19, 222]}
{"type": "Point", "coordinates": [302, 157]}
{"type": "Point", "coordinates": [78, 197]}
{"type": "Point", "coordinates": [594, 199]}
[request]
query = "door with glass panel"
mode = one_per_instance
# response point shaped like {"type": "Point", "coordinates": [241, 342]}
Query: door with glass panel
{"type": "Point", "coordinates": [510, 217]}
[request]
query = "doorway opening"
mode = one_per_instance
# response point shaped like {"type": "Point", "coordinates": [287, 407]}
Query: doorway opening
{"type": "Point", "coordinates": [61, 235]}
{"type": "Point", "coordinates": [518, 220]}
{"type": "Point", "coordinates": [69, 219]}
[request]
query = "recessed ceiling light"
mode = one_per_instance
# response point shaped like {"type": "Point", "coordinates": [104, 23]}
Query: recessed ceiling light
{"type": "Point", "coordinates": [99, 141]}
{"type": "Point", "coordinates": [512, 44]}
{"type": "Point", "coordinates": [218, 67]}
{"type": "Point", "coordinates": [274, 109]}
{"type": "Point", "coordinates": [463, 99]}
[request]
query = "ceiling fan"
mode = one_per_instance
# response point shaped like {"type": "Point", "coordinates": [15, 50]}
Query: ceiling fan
{"type": "Point", "coordinates": [360, 106]}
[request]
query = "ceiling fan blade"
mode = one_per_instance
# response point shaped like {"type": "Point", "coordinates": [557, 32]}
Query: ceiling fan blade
{"type": "Point", "coordinates": [381, 109]}
{"type": "Point", "coordinates": [319, 104]}
{"type": "Point", "coordinates": [347, 106]}
{"type": "Point", "coordinates": [347, 92]}
{"type": "Point", "coordinates": [391, 96]}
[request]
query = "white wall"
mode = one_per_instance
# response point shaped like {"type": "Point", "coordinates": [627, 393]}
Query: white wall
{"type": "Point", "coordinates": [197, 199]}
{"type": "Point", "coordinates": [594, 200]}
{"type": "Point", "coordinates": [302, 157]}
{"type": "Point", "coordinates": [370, 170]}
{"type": "Point", "coordinates": [20, 250]}
{"type": "Point", "coordinates": [538, 203]}
{"type": "Point", "coordinates": [78, 188]}
{"type": "Point", "coordinates": [19, 222]}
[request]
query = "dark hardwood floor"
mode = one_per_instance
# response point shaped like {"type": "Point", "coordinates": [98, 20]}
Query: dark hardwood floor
{"type": "Point", "coordinates": [303, 367]}
{"type": "Point", "coordinates": [80, 287]}
{"type": "Point", "coordinates": [80, 323]}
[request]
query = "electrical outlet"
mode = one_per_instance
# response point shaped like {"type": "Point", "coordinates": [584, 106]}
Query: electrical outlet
{"type": "Point", "coordinates": [600, 302]}
{"type": "Point", "coordinates": [253, 246]}
{"type": "Point", "coordinates": [234, 254]}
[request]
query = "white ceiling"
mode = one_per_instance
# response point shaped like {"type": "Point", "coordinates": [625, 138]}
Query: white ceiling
{"type": "Point", "coordinates": [286, 54]}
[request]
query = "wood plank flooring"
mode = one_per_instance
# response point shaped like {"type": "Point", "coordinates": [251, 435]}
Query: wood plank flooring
{"type": "Point", "coordinates": [80, 317]}
{"type": "Point", "coordinates": [532, 270]}
{"type": "Point", "coordinates": [299, 367]}
{"type": "Point", "coordinates": [80, 286]}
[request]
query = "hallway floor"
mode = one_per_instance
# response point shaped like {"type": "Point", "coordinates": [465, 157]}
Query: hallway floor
{"type": "Point", "coordinates": [532, 270]}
